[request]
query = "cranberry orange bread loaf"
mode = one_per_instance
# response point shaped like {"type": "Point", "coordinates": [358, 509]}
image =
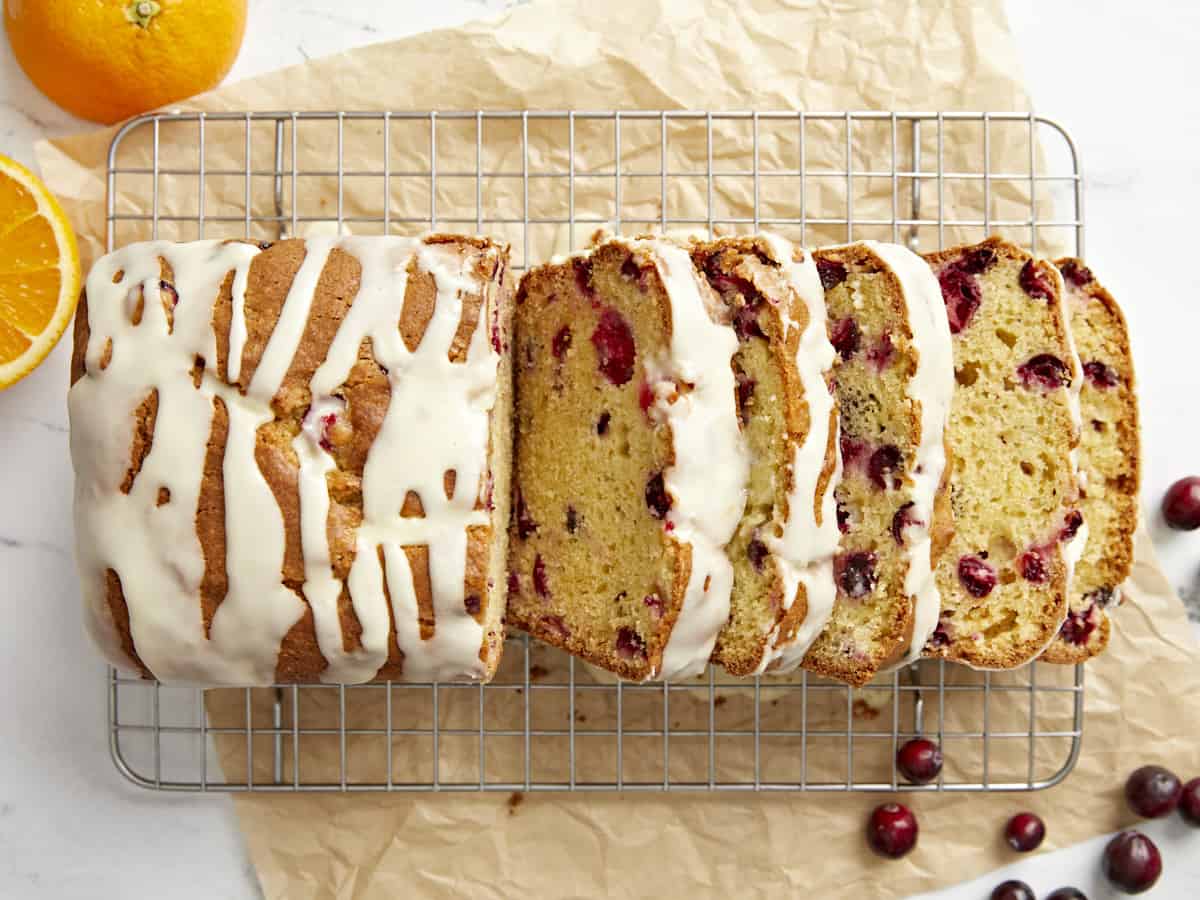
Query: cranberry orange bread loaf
{"type": "Point", "coordinates": [894, 380]}
{"type": "Point", "coordinates": [1109, 460]}
{"type": "Point", "coordinates": [292, 460]}
{"type": "Point", "coordinates": [1014, 485]}
{"type": "Point", "coordinates": [629, 465]}
{"type": "Point", "coordinates": [783, 549]}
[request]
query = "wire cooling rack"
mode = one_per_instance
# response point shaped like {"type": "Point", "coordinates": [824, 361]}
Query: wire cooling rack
{"type": "Point", "coordinates": [545, 181]}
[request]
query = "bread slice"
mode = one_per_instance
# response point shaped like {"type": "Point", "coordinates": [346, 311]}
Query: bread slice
{"type": "Point", "coordinates": [630, 467]}
{"type": "Point", "coordinates": [894, 380]}
{"type": "Point", "coordinates": [292, 459]}
{"type": "Point", "coordinates": [1109, 459]}
{"type": "Point", "coordinates": [1014, 485]}
{"type": "Point", "coordinates": [783, 549]}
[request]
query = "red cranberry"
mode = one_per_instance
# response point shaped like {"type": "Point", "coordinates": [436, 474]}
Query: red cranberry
{"type": "Point", "coordinates": [561, 342]}
{"type": "Point", "coordinates": [1100, 375]}
{"type": "Point", "coordinates": [1153, 792]}
{"type": "Point", "coordinates": [657, 498]}
{"type": "Point", "coordinates": [539, 577]}
{"type": "Point", "coordinates": [976, 260]}
{"type": "Point", "coordinates": [602, 423]}
{"type": "Point", "coordinates": [843, 518]}
{"type": "Point", "coordinates": [1078, 626]}
{"type": "Point", "coordinates": [745, 321]}
{"type": "Point", "coordinates": [645, 396]}
{"type": "Point", "coordinates": [756, 550]}
{"type": "Point", "coordinates": [832, 273]}
{"type": "Point", "coordinates": [631, 271]}
{"type": "Point", "coordinates": [1071, 525]}
{"type": "Point", "coordinates": [855, 573]}
{"type": "Point", "coordinates": [525, 523]}
{"type": "Point", "coordinates": [1181, 506]}
{"type": "Point", "coordinates": [1067, 893]}
{"type": "Point", "coordinates": [851, 449]}
{"type": "Point", "coordinates": [901, 520]}
{"type": "Point", "coordinates": [745, 393]}
{"type": "Point", "coordinates": [1034, 283]}
{"type": "Point", "coordinates": [1025, 832]}
{"type": "Point", "coordinates": [582, 269]}
{"type": "Point", "coordinates": [614, 345]}
{"type": "Point", "coordinates": [1189, 802]}
{"type": "Point", "coordinates": [846, 338]}
{"type": "Point", "coordinates": [1013, 890]}
{"type": "Point", "coordinates": [472, 604]}
{"type": "Point", "coordinates": [327, 423]}
{"type": "Point", "coordinates": [919, 760]}
{"type": "Point", "coordinates": [726, 285]}
{"type": "Point", "coordinates": [977, 576]}
{"type": "Point", "coordinates": [960, 293]}
{"type": "Point", "coordinates": [1076, 273]}
{"type": "Point", "coordinates": [1044, 371]}
{"type": "Point", "coordinates": [514, 584]}
{"type": "Point", "coordinates": [1132, 862]}
{"type": "Point", "coordinates": [1032, 566]}
{"type": "Point", "coordinates": [892, 830]}
{"type": "Point", "coordinates": [171, 292]}
{"type": "Point", "coordinates": [556, 626]}
{"type": "Point", "coordinates": [630, 644]}
{"type": "Point", "coordinates": [941, 635]}
{"type": "Point", "coordinates": [883, 466]}
{"type": "Point", "coordinates": [572, 520]}
{"type": "Point", "coordinates": [881, 354]}
{"type": "Point", "coordinates": [653, 603]}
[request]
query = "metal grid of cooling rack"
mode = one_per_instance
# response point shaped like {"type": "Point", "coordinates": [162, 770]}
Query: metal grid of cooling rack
{"type": "Point", "coordinates": [546, 724]}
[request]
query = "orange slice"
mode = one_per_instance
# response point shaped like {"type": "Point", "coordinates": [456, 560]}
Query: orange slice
{"type": "Point", "coordinates": [39, 272]}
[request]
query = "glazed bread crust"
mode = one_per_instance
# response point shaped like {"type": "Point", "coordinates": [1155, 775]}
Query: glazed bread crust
{"type": "Point", "coordinates": [270, 294]}
{"type": "Point", "coordinates": [608, 558]}
{"type": "Point", "coordinates": [1110, 460]}
{"type": "Point", "coordinates": [771, 317]}
{"type": "Point", "coordinates": [872, 323]}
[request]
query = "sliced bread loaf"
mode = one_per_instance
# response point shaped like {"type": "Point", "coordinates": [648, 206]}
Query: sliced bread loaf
{"type": "Point", "coordinates": [894, 380]}
{"type": "Point", "coordinates": [1109, 460]}
{"type": "Point", "coordinates": [1014, 485]}
{"type": "Point", "coordinates": [782, 552]}
{"type": "Point", "coordinates": [630, 467]}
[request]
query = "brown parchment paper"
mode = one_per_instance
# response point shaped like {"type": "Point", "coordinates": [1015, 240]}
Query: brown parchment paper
{"type": "Point", "coordinates": [1143, 696]}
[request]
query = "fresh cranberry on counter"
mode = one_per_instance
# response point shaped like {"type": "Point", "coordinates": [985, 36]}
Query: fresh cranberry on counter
{"type": "Point", "coordinates": [1153, 792]}
{"type": "Point", "coordinates": [1189, 803]}
{"type": "Point", "coordinates": [1013, 890]}
{"type": "Point", "coordinates": [1181, 505]}
{"type": "Point", "coordinates": [919, 760]}
{"type": "Point", "coordinates": [1067, 893]}
{"type": "Point", "coordinates": [1131, 862]}
{"type": "Point", "coordinates": [1025, 832]}
{"type": "Point", "coordinates": [892, 830]}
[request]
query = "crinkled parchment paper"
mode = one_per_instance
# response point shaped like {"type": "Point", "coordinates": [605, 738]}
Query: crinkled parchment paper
{"type": "Point", "coordinates": [1142, 697]}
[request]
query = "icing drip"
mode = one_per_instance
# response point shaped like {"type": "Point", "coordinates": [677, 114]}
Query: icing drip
{"type": "Point", "coordinates": [932, 386]}
{"type": "Point", "coordinates": [805, 551]}
{"type": "Point", "coordinates": [708, 479]}
{"type": "Point", "coordinates": [154, 548]}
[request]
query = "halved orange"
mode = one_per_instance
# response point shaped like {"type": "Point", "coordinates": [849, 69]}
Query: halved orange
{"type": "Point", "coordinates": [39, 272]}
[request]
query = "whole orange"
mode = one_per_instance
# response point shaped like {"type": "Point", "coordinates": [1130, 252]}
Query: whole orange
{"type": "Point", "coordinates": [107, 60]}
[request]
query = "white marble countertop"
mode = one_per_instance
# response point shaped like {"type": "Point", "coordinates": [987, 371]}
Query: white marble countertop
{"type": "Point", "coordinates": [1116, 76]}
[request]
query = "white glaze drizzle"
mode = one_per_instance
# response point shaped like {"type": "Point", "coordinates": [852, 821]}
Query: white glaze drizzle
{"type": "Point", "coordinates": [708, 479]}
{"type": "Point", "coordinates": [155, 549]}
{"type": "Point", "coordinates": [932, 386]}
{"type": "Point", "coordinates": [804, 553]}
